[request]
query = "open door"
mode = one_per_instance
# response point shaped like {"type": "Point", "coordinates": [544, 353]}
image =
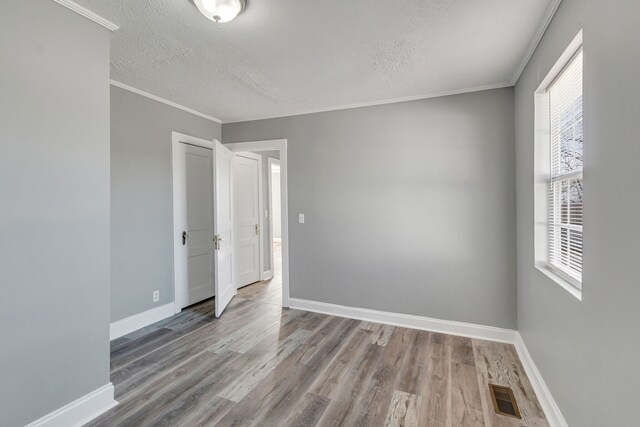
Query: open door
{"type": "Point", "coordinates": [222, 226]}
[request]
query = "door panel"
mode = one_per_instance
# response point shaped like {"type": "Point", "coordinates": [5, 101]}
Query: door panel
{"type": "Point", "coordinates": [246, 210]}
{"type": "Point", "coordinates": [199, 183]}
{"type": "Point", "coordinates": [223, 243]}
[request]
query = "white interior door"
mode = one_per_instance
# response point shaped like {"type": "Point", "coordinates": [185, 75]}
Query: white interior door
{"type": "Point", "coordinates": [223, 225]}
{"type": "Point", "coordinates": [246, 212]}
{"type": "Point", "coordinates": [199, 224]}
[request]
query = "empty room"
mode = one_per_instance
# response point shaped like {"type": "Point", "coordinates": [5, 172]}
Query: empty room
{"type": "Point", "coordinates": [319, 213]}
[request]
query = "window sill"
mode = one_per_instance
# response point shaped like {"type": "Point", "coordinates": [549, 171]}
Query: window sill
{"type": "Point", "coordinates": [577, 293]}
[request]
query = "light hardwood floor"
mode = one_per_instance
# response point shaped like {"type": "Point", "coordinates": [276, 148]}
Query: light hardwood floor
{"type": "Point", "coordinates": [260, 365]}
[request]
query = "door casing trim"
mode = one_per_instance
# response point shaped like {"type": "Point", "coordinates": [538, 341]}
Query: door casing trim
{"type": "Point", "coordinates": [270, 163]}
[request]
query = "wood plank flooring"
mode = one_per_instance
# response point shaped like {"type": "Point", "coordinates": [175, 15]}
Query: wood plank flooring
{"type": "Point", "coordinates": [261, 365]}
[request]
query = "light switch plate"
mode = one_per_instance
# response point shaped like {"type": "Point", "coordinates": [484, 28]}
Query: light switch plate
{"type": "Point", "coordinates": [301, 218]}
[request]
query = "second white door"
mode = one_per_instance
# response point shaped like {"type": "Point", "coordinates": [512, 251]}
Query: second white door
{"type": "Point", "coordinates": [247, 172]}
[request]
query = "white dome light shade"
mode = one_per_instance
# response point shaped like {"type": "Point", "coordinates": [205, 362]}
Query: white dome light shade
{"type": "Point", "coordinates": [220, 10]}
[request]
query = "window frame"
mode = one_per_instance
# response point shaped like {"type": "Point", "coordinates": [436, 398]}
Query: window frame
{"type": "Point", "coordinates": [543, 175]}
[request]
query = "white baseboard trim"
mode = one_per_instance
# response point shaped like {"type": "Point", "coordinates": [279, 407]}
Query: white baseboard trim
{"type": "Point", "coordinates": [549, 405]}
{"type": "Point", "coordinates": [80, 411]}
{"type": "Point", "coordinates": [140, 320]}
{"type": "Point", "coordinates": [266, 275]}
{"type": "Point", "coordinates": [469, 330]}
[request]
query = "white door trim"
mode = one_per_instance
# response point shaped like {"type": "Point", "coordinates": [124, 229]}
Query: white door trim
{"type": "Point", "coordinates": [271, 161]}
{"type": "Point", "coordinates": [179, 197]}
{"type": "Point", "coordinates": [281, 146]}
{"type": "Point", "coordinates": [258, 158]}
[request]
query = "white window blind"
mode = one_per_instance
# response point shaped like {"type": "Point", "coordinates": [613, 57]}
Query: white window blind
{"type": "Point", "coordinates": [566, 184]}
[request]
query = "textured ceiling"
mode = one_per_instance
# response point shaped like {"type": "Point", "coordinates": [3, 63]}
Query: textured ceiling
{"type": "Point", "coordinates": [282, 57]}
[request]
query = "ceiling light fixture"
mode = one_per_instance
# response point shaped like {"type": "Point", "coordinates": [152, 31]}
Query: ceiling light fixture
{"type": "Point", "coordinates": [220, 10]}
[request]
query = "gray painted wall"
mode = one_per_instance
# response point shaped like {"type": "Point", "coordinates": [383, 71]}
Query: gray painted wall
{"type": "Point", "coordinates": [410, 207]}
{"type": "Point", "coordinates": [141, 198]}
{"type": "Point", "coordinates": [266, 203]}
{"type": "Point", "coordinates": [54, 214]}
{"type": "Point", "coordinates": [588, 351]}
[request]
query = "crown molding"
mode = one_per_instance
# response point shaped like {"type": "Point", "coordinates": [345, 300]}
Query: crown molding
{"type": "Point", "coordinates": [551, 11]}
{"type": "Point", "coordinates": [383, 102]}
{"type": "Point", "coordinates": [88, 14]}
{"type": "Point", "coordinates": [164, 101]}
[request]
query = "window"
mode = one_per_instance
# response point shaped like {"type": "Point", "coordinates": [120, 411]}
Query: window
{"type": "Point", "coordinates": [565, 183]}
{"type": "Point", "coordinates": [559, 162]}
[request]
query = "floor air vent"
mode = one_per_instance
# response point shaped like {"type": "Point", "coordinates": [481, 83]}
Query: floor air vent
{"type": "Point", "coordinates": [504, 401]}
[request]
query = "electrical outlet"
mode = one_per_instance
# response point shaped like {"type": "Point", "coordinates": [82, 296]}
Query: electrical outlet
{"type": "Point", "coordinates": [156, 296]}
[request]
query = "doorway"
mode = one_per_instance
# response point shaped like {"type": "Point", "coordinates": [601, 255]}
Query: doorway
{"type": "Point", "coordinates": [257, 216]}
{"type": "Point", "coordinates": [193, 161]}
{"type": "Point", "coordinates": [202, 222]}
{"type": "Point", "coordinates": [217, 198]}
{"type": "Point", "coordinates": [275, 255]}
{"type": "Point", "coordinates": [199, 224]}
